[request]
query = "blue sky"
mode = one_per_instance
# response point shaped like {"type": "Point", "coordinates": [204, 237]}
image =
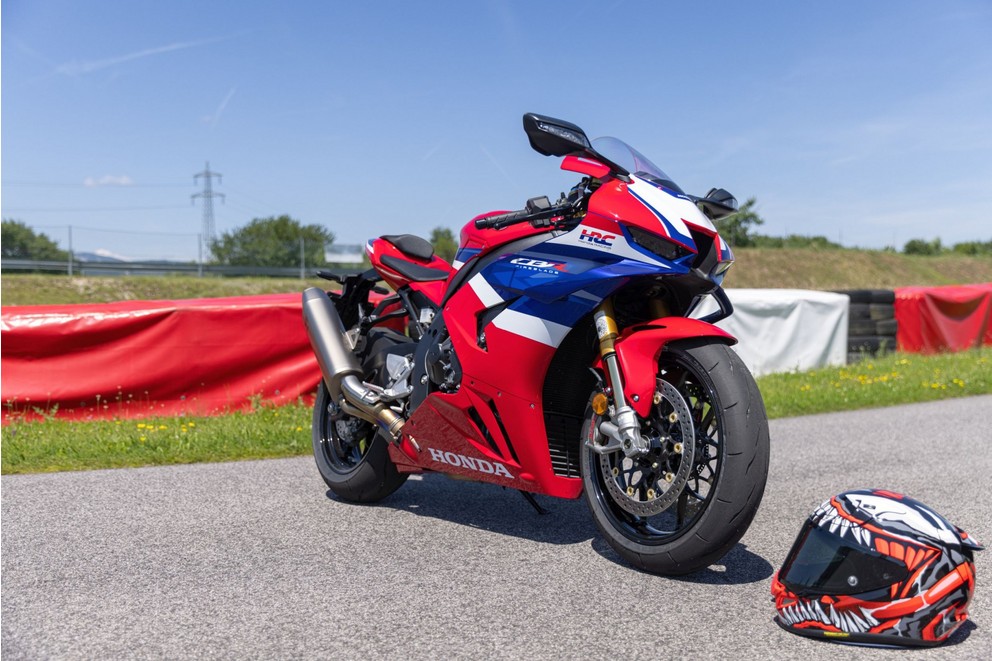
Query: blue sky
{"type": "Point", "coordinates": [867, 122]}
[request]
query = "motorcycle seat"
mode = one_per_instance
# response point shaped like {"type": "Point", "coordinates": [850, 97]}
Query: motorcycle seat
{"type": "Point", "coordinates": [412, 246]}
{"type": "Point", "coordinates": [414, 272]}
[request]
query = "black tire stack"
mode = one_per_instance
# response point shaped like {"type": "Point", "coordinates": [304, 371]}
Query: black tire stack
{"type": "Point", "coordinates": [871, 323]}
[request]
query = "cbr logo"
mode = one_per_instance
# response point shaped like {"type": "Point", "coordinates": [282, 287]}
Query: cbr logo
{"type": "Point", "coordinates": [597, 238]}
{"type": "Point", "coordinates": [481, 465]}
{"type": "Point", "coordinates": [538, 264]}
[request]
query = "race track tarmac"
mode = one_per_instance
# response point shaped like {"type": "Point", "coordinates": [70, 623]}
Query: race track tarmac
{"type": "Point", "coordinates": [257, 560]}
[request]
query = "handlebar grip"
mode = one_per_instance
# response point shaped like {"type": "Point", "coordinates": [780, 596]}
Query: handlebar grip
{"type": "Point", "coordinates": [501, 220]}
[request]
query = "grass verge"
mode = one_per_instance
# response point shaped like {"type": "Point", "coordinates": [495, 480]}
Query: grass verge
{"type": "Point", "coordinates": [269, 432]}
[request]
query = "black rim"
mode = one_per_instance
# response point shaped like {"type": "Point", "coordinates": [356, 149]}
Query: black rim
{"type": "Point", "coordinates": [696, 389]}
{"type": "Point", "coordinates": [344, 439]}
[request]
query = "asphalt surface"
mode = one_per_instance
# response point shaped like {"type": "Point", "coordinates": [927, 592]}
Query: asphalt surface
{"type": "Point", "coordinates": [257, 560]}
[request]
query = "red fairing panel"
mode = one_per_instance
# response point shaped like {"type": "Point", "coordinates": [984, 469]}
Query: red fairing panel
{"type": "Point", "coordinates": [141, 358]}
{"type": "Point", "coordinates": [512, 412]}
{"type": "Point", "coordinates": [639, 347]}
{"type": "Point", "coordinates": [934, 319]}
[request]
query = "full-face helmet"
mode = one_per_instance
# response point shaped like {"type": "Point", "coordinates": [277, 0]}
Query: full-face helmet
{"type": "Point", "coordinates": [872, 566]}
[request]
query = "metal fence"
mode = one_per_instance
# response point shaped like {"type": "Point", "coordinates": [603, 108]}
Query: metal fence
{"type": "Point", "coordinates": [95, 251]}
{"type": "Point", "coordinates": [78, 267]}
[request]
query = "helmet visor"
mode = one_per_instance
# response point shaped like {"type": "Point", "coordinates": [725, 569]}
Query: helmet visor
{"type": "Point", "coordinates": [825, 563]}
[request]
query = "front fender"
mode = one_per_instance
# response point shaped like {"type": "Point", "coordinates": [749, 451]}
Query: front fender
{"type": "Point", "coordinates": [639, 347]}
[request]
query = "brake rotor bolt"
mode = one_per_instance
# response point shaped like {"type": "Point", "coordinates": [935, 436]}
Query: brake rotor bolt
{"type": "Point", "coordinates": [616, 471]}
{"type": "Point", "coordinates": [669, 477]}
{"type": "Point", "coordinates": [657, 398]}
{"type": "Point", "coordinates": [630, 491]}
{"type": "Point", "coordinates": [677, 448]}
{"type": "Point", "coordinates": [651, 494]}
{"type": "Point", "coordinates": [673, 417]}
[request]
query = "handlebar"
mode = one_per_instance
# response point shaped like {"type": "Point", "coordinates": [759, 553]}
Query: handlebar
{"type": "Point", "coordinates": [538, 209]}
{"type": "Point", "coordinates": [499, 221]}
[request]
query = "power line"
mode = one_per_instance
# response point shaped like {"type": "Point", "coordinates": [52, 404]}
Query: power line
{"type": "Point", "coordinates": [208, 196]}
{"type": "Point", "coordinates": [64, 184]}
{"type": "Point", "coordinates": [81, 209]}
{"type": "Point", "coordinates": [112, 231]}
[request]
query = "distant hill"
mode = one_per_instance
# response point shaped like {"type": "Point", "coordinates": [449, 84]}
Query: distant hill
{"type": "Point", "coordinates": [804, 268]}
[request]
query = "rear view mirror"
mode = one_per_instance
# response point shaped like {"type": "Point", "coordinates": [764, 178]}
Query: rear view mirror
{"type": "Point", "coordinates": [554, 137]}
{"type": "Point", "coordinates": [717, 204]}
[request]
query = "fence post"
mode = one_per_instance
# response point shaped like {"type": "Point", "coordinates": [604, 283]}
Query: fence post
{"type": "Point", "coordinates": [70, 251]}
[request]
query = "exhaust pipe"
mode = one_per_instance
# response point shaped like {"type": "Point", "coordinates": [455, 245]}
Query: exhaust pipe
{"type": "Point", "coordinates": [339, 366]}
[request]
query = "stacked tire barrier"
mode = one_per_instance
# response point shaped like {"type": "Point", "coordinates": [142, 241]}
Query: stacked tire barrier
{"type": "Point", "coordinates": [872, 325]}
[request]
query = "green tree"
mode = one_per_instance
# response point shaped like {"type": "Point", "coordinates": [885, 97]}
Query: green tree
{"type": "Point", "coordinates": [272, 241]}
{"type": "Point", "coordinates": [737, 229]}
{"type": "Point", "coordinates": [973, 248]}
{"type": "Point", "coordinates": [923, 247]}
{"type": "Point", "coordinates": [444, 243]}
{"type": "Point", "coordinates": [19, 241]}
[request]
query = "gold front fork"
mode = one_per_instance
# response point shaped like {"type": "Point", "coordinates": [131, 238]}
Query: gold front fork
{"type": "Point", "coordinates": [625, 427]}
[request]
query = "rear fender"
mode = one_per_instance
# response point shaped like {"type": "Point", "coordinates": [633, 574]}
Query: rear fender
{"type": "Point", "coordinates": [639, 347]}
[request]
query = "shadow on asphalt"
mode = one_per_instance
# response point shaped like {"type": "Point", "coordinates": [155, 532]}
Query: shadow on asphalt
{"type": "Point", "coordinates": [492, 508]}
{"type": "Point", "coordinates": [506, 512]}
{"type": "Point", "coordinates": [739, 566]}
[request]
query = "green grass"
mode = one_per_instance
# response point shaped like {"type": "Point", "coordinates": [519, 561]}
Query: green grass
{"type": "Point", "coordinates": [30, 289]}
{"type": "Point", "coordinates": [896, 378]}
{"type": "Point", "coordinates": [268, 432]}
{"type": "Point", "coordinates": [36, 446]}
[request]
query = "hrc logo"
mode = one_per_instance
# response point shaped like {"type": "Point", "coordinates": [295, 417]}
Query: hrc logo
{"type": "Point", "coordinates": [597, 238]}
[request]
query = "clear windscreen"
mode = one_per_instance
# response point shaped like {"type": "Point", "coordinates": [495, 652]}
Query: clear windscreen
{"type": "Point", "coordinates": [633, 161]}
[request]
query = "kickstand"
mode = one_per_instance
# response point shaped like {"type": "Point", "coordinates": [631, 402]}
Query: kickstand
{"type": "Point", "coordinates": [533, 501]}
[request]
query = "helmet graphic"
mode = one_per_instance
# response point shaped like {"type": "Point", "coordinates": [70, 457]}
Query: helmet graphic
{"type": "Point", "coordinates": [872, 566]}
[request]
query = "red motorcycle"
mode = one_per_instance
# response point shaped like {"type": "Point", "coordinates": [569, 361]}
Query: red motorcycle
{"type": "Point", "coordinates": [557, 355]}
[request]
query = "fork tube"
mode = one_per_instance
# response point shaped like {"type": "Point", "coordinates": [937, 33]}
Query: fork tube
{"type": "Point", "coordinates": [606, 329]}
{"type": "Point", "coordinates": [625, 426]}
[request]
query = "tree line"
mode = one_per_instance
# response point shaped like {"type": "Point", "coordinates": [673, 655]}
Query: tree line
{"type": "Point", "coordinates": [282, 240]}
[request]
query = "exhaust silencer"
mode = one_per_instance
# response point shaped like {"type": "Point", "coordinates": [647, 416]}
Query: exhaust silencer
{"type": "Point", "coordinates": [339, 366]}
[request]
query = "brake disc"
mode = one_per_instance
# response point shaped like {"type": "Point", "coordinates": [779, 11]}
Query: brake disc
{"type": "Point", "coordinates": [649, 484]}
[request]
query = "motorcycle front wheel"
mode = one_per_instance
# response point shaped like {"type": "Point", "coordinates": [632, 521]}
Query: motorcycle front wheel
{"type": "Point", "coordinates": [351, 454]}
{"type": "Point", "coordinates": [686, 502]}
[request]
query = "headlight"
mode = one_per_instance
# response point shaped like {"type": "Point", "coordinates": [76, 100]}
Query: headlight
{"type": "Point", "coordinates": [656, 245]}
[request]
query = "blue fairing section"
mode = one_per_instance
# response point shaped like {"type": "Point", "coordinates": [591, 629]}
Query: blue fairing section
{"type": "Point", "coordinates": [465, 254]}
{"type": "Point", "coordinates": [568, 282]}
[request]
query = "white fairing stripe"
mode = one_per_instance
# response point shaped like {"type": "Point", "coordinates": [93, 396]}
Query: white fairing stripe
{"type": "Point", "coordinates": [676, 210]}
{"type": "Point", "coordinates": [457, 265]}
{"type": "Point", "coordinates": [484, 291]}
{"type": "Point", "coordinates": [533, 328]}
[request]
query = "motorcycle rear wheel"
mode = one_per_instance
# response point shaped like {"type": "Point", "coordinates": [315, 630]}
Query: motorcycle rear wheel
{"type": "Point", "coordinates": [351, 454]}
{"type": "Point", "coordinates": [719, 490]}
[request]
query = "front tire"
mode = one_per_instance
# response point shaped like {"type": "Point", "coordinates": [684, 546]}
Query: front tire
{"type": "Point", "coordinates": [351, 454]}
{"type": "Point", "coordinates": [719, 481]}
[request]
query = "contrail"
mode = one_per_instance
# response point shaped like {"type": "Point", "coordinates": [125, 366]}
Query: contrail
{"type": "Point", "coordinates": [78, 68]}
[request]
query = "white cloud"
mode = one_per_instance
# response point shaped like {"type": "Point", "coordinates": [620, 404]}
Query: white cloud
{"type": "Point", "coordinates": [103, 252]}
{"type": "Point", "coordinates": [108, 180]}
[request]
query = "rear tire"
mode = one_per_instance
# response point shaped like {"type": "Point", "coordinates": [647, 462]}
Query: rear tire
{"type": "Point", "coordinates": [352, 454]}
{"type": "Point", "coordinates": [724, 487]}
